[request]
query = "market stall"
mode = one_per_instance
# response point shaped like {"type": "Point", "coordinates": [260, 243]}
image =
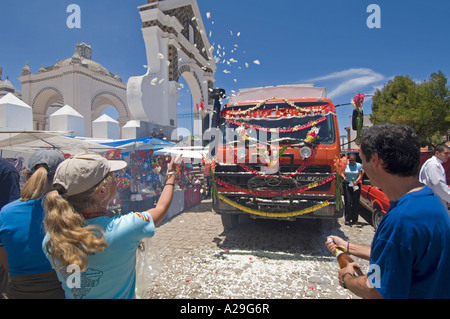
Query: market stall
{"type": "Point", "coordinates": [192, 196]}
{"type": "Point", "coordinates": [141, 183]}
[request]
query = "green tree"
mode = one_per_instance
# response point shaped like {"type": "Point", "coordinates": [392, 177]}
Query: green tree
{"type": "Point", "coordinates": [423, 106]}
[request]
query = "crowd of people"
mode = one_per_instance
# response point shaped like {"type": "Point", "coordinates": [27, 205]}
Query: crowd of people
{"type": "Point", "coordinates": [58, 225]}
{"type": "Point", "coordinates": [60, 222]}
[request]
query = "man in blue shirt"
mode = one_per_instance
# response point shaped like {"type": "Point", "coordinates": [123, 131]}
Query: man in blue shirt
{"type": "Point", "coordinates": [410, 252]}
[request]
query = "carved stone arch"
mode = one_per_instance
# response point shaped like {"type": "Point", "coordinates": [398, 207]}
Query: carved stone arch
{"type": "Point", "coordinates": [187, 69]}
{"type": "Point", "coordinates": [103, 99]}
{"type": "Point", "coordinates": [43, 99]}
{"type": "Point", "coordinates": [176, 45]}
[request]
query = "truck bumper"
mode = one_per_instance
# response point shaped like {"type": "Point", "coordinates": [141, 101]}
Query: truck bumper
{"type": "Point", "coordinates": [323, 207]}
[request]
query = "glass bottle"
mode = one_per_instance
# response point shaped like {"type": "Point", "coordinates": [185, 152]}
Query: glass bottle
{"type": "Point", "coordinates": [344, 259]}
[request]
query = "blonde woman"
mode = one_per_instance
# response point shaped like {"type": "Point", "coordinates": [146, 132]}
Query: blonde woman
{"type": "Point", "coordinates": [22, 232]}
{"type": "Point", "coordinates": [95, 255]}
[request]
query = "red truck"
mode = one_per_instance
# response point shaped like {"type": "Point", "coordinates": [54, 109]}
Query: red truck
{"type": "Point", "coordinates": [275, 156]}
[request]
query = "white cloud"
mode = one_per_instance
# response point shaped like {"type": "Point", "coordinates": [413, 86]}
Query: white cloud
{"type": "Point", "coordinates": [350, 81]}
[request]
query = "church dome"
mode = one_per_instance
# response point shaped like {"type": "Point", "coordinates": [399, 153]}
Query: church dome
{"type": "Point", "coordinates": [82, 56]}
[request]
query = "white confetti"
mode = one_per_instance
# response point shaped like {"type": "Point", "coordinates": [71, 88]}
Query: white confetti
{"type": "Point", "coordinates": [160, 56]}
{"type": "Point", "coordinates": [226, 71]}
{"type": "Point", "coordinates": [153, 82]}
{"type": "Point", "coordinates": [208, 15]}
{"type": "Point", "coordinates": [232, 60]}
{"type": "Point", "coordinates": [257, 62]}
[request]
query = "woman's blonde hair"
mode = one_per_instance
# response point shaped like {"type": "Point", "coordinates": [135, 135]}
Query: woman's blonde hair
{"type": "Point", "coordinates": [36, 185]}
{"type": "Point", "coordinates": [70, 239]}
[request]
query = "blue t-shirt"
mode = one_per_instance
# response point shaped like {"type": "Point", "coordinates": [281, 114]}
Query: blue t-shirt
{"type": "Point", "coordinates": [21, 233]}
{"type": "Point", "coordinates": [412, 248]}
{"type": "Point", "coordinates": [111, 274]}
{"type": "Point", "coordinates": [352, 172]}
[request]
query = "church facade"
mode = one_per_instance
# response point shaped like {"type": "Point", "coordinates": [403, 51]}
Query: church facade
{"type": "Point", "coordinates": [176, 46]}
{"type": "Point", "coordinates": [77, 81]}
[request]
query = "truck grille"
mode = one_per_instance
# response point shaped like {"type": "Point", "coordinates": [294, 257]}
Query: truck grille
{"type": "Point", "coordinates": [238, 176]}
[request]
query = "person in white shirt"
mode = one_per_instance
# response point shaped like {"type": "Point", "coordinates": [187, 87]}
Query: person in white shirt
{"type": "Point", "coordinates": [432, 173]}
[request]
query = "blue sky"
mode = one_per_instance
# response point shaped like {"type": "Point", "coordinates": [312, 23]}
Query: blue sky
{"type": "Point", "coordinates": [325, 42]}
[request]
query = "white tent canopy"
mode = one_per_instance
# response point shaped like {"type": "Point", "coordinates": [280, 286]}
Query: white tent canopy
{"type": "Point", "coordinates": [192, 152]}
{"type": "Point", "coordinates": [29, 141]}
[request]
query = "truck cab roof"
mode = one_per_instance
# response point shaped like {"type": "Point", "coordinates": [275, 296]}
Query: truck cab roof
{"type": "Point", "coordinates": [289, 92]}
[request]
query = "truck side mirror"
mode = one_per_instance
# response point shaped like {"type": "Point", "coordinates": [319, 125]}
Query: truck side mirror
{"type": "Point", "coordinates": [354, 116]}
{"type": "Point", "coordinates": [217, 95]}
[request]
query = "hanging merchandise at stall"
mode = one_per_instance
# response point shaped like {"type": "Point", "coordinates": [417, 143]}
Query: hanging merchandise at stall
{"type": "Point", "coordinates": [140, 184]}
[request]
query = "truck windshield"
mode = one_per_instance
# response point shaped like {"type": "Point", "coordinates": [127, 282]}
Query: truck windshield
{"type": "Point", "coordinates": [292, 128]}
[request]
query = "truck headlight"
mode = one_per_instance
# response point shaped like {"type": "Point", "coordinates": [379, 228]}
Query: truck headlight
{"type": "Point", "coordinates": [305, 152]}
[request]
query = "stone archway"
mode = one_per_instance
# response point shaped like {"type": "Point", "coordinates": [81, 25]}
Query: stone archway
{"type": "Point", "coordinates": [103, 99]}
{"type": "Point", "coordinates": [176, 44]}
{"type": "Point", "coordinates": [42, 101]}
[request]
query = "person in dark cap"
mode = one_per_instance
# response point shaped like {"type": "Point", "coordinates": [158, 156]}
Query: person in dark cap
{"type": "Point", "coordinates": [22, 232]}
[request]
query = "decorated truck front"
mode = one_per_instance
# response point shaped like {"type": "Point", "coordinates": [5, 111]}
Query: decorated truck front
{"type": "Point", "coordinates": [275, 157]}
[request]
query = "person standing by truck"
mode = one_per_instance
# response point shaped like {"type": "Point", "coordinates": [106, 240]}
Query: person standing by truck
{"type": "Point", "coordinates": [432, 173]}
{"type": "Point", "coordinates": [352, 189]}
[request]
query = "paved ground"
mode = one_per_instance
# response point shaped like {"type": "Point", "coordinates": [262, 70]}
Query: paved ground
{"type": "Point", "coordinates": [260, 259]}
